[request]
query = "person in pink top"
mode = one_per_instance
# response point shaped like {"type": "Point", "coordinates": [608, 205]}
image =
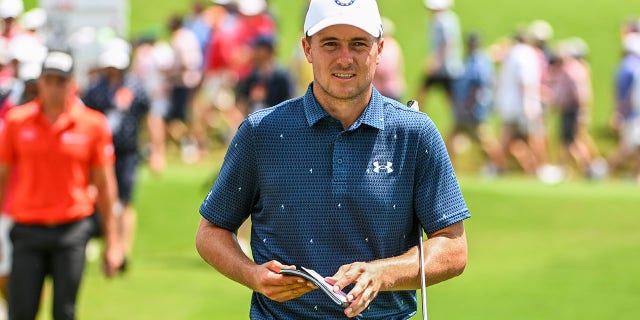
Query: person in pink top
{"type": "Point", "coordinates": [568, 79]}
{"type": "Point", "coordinates": [389, 77]}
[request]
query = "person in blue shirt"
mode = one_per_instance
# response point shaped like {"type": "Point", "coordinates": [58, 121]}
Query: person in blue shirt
{"type": "Point", "coordinates": [120, 96]}
{"type": "Point", "coordinates": [627, 114]}
{"type": "Point", "coordinates": [341, 180]}
{"type": "Point", "coordinates": [472, 101]}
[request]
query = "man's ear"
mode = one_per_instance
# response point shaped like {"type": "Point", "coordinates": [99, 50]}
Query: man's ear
{"type": "Point", "coordinates": [380, 48]}
{"type": "Point", "coordinates": [306, 48]}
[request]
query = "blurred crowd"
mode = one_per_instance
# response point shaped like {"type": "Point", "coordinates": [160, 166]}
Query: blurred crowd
{"type": "Point", "coordinates": [193, 87]}
{"type": "Point", "coordinates": [530, 81]}
{"type": "Point", "coordinates": [215, 65]}
{"type": "Point", "coordinates": [218, 63]}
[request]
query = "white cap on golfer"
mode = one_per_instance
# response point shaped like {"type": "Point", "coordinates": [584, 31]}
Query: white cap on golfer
{"type": "Point", "coordinates": [362, 14]}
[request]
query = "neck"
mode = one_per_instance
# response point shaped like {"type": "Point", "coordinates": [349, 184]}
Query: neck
{"type": "Point", "coordinates": [53, 109]}
{"type": "Point", "coordinates": [114, 78]}
{"type": "Point", "coordinates": [347, 111]}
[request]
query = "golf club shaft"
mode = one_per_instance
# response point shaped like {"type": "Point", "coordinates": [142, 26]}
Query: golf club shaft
{"type": "Point", "coordinates": [423, 281]}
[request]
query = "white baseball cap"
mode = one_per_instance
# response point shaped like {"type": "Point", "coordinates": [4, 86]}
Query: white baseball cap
{"type": "Point", "coordinates": [34, 19]}
{"type": "Point", "coordinates": [58, 63]}
{"type": "Point", "coordinates": [251, 7]}
{"type": "Point", "coordinates": [362, 14]}
{"type": "Point", "coordinates": [438, 4]}
{"type": "Point", "coordinates": [540, 30]}
{"type": "Point", "coordinates": [29, 71]}
{"type": "Point", "coordinates": [11, 8]}
{"type": "Point", "coordinates": [114, 58]}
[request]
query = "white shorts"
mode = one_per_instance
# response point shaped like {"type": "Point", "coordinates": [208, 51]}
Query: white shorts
{"type": "Point", "coordinates": [631, 133]}
{"type": "Point", "coordinates": [218, 91]}
{"type": "Point", "coordinates": [6, 249]}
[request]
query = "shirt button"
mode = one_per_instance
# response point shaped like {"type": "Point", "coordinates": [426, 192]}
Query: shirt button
{"type": "Point", "coordinates": [340, 161]}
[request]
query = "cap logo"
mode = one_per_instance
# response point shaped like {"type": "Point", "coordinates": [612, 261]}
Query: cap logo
{"type": "Point", "coordinates": [344, 3]}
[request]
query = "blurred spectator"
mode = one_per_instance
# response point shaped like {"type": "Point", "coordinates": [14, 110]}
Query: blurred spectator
{"type": "Point", "coordinates": [33, 21]}
{"type": "Point", "coordinates": [200, 23]}
{"type": "Point", "coordinates": [627, 86]}
{"type": "Point", "coordinates": [28, 75]}
{"type": "Point", "coordinates": [123, 100]}
{"type": "Point", "coordinates": [301, 69]}
{"type": "Point", "coordinates": [579, 51]}
{"type": "Point", "coordinates": [268, 84]}
{"type": "Point", "coordinates": [184, 76]}
{"type": "Point", "coordinates": [58, 148]}
{"type": "Point", "coordinates": [151, 63]}
{"type": "Point", "coordinates": [631, 25]}
{"type": "Point", "coordinates": [228, 62]}
{"type": "Point", "coordinates": [389, 76]}
{"type": "Point", "coordinates": [540, 33]}
{"type": "Point", "coordinates": [6, 221]}
{"type": "Point", "coordinates": [10, 11]}
{"type": "Point", "coordinates": [214, 102]}
{"type": "Point", "coordinates": [27, 50]}
{"type": "Point", "coordinates": [444, 62]}
{"type": "Point", "coordinates": [473, 100]}
{"type": "Point", "coordinates": [7, 73]}
{"type": "Point", "coordinates": [518, 104]}
{"type": "Point", "coordinates": [568, 79]}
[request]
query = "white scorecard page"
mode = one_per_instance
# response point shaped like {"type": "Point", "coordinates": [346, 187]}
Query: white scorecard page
{"type": "Point", "coordinates": [342, 296]}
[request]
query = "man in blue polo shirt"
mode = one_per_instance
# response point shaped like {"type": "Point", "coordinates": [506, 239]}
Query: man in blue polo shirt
{"type": "Point", "coordinates": [340, 181]}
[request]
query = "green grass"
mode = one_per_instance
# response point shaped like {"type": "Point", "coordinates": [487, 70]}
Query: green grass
{"type": "Point", "coordinates": [535, 251]}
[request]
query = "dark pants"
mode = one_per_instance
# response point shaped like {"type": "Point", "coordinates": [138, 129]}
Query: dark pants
{"type": "Point", "coordinates": [179, 104]}
{"type": "Point", "coordinates": [126, 165]}
{"type": "Point", "coordinates": [38, 251]}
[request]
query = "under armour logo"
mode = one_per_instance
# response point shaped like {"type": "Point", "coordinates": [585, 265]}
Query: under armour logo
{"type": "Point", "coordinates": [345, 2]}
{"type": "Point", "coordinates": [377, 168]}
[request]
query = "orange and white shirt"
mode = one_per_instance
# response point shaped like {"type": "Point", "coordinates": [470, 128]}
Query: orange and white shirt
{"type": "Point", "coordinates": [53, 161]}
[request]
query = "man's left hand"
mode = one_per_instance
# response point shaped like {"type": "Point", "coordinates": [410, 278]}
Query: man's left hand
{"type": "Point", "coordinates": [367, 278]}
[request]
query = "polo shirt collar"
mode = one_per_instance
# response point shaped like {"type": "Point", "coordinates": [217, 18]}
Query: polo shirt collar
{"type": "Point", "coordinates": [70, 115]}
{"type": "Point", "coordinates": [372, 116]}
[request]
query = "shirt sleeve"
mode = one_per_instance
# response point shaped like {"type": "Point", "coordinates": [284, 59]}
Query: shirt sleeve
{"type": "Point", "coordinates": [6, 143]}
{"type": "Point", "coordinates": [103, 152]}
{"type": "Point", "coordinates": [233, 195]}
{"type": "Point", "coordinates": [438, 201]}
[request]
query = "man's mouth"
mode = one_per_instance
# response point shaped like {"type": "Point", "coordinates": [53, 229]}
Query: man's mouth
{"type": "Point", "coordinates": [344, 75]}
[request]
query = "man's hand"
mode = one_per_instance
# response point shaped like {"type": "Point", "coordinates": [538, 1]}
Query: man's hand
{"type": "Point", "coordinates": [367, 278]}
{"type": "Point", "coordinates": [112, 260]}
{"type": "Point", "coordinates": [277, 287]}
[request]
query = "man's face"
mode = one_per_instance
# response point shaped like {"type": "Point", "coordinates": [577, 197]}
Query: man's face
{"type": "Point", "coordinates": [344, 62]}
{"type": "Point", "coordinates": [53, 88]}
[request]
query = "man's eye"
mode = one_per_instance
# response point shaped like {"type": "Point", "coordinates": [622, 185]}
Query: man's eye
{"type": "Point", "coordinates": [360, 44]}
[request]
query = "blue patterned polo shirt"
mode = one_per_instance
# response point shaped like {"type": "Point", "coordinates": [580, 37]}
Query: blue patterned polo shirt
{"type": "Point", "coordinates": [321, 196]}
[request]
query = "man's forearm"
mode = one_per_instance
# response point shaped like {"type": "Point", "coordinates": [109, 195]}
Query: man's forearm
{"type": "Point", "coordinates": [105, 204]}
{"type": "Point", "coordinates": [104, 181]}
{"type": "Point", "coordinates": [445, 256]}
{"type": "Point", "coordinates": [4, 176]}
{"type": "Point", "coordinates": [220, 249]}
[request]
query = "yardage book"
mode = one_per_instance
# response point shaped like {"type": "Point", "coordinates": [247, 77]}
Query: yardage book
{"type": "Point", "coordinates": [339, 298]}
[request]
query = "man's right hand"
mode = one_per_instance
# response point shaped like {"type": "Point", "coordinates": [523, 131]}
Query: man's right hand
{"type": "Point", "coordinates": [269, 282]}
